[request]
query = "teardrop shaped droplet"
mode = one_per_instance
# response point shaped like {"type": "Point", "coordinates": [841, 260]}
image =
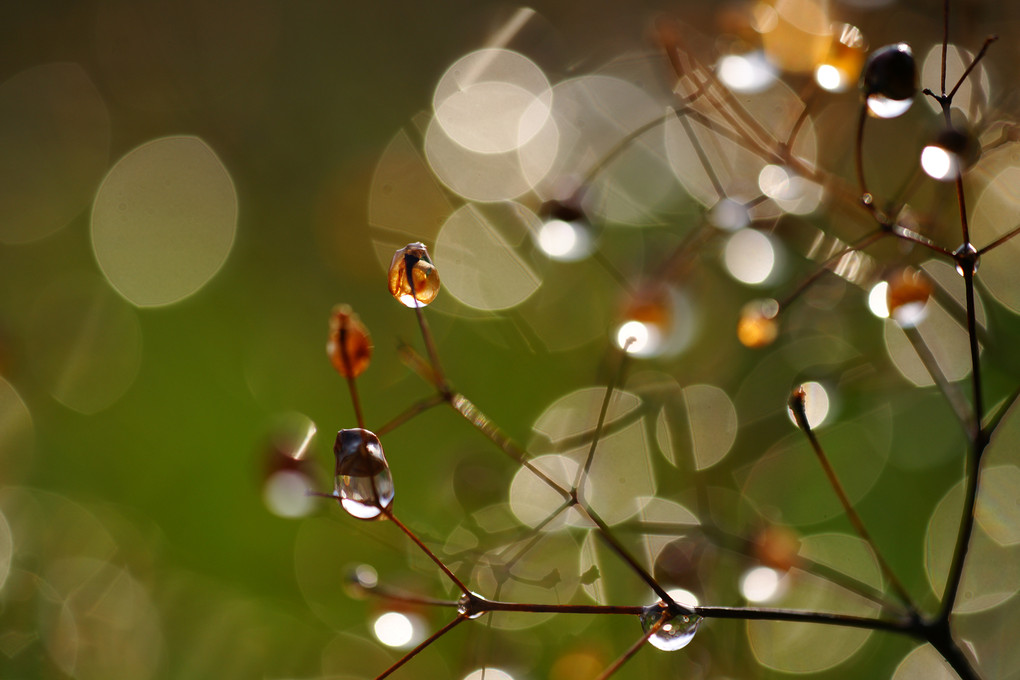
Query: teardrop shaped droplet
{"type": "Point", "coordinates": [349, 346]}
{"type": "Point", "coordinates": [967, 259]}
{"type": "Point", "coordinates": [675, 632]}
{"type": "Point", "coordinates": [414, 280]}
{"type": "Point", "coordinates": [364, 484]}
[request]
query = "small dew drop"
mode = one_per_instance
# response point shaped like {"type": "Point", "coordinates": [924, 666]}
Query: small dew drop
{"type": "Point", "coordinates": [674, 633]}
{"type": "Point", "coordinates": [966, 259]}
{"type": "Point", "coordinates": [907, 297]}
{"type": "Point", "coordinates": [467, 606]}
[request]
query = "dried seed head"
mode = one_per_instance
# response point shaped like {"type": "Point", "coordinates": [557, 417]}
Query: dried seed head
{"type": "Point", "coordinates": [349, 346]}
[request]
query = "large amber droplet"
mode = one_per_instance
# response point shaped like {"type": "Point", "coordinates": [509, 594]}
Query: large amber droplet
{"type": "Point", "coordinates": [364, 484]}
{"type": "Point", "coordinates": [907, 297]}
{"type": "Point", "coordinates": [349, 346]}
{"type": "Point", "coordinates": [414, 280]}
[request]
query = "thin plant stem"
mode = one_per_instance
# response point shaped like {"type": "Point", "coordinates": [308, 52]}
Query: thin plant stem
{"type": "Point", "coordinates": [410, 412]}
{"type": "Point", "coordinates": [635, 566]}
{"type": "Point", "coordinates": [610, 389]}
{"type": "Point", "coordinates": [974, 62]}
{"type": "Point", "coordinates": [633, 649]}
{"type": "Point", "coordinates": [999, 241]}
{"type": "Point", "coordinates": [800, 415]}
{"type": "Point", "coordinates": [948, 389]}
{"type": "Point", "coordinates": [424, 548]}
{"type": "Point", "coordinates": [414, 652]}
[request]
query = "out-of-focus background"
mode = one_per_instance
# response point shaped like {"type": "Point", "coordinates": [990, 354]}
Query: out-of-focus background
{"type": "Point", "coordinates": [187, 188]}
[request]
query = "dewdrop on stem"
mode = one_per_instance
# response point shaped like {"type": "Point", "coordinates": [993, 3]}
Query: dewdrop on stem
{"type": "Point", "coordinates": [676, 632]}
{"type": "Point", "coordinates": [363, 483]}
{"type": "Point", "coordinates": [413, 279]}
{"type": "Point", "coordinates": [889, 80]}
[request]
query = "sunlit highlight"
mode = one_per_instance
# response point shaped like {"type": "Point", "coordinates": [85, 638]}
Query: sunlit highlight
{"type": "Point", "coordinates": [285, 494]}
{"type": "Point", "coordinates": [761, 584]}
{"type": "Point", "coordinates": [729, 215]}
{"type": "Point", "coordinates": [564, 241]}
{"type": "Point", "coordinates": [395, 629]}
{"type": "Point", "coordinates": [877, 300]}
{"type": "Point", "coordinates": [940, 164]}
{"type": "Point", "coordinates": [746, 73]}
{"type": "Point", "coordinates": [749, 256]}
{"type": "Point", "coordinates": [636, 337]}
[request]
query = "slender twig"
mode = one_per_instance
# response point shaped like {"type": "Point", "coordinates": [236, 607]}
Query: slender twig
{"type": "Point", "coordinates": [610, 389]}
{"type": "Point", "coordinates": [414, 652]}
{"type": "Point", "coordinates": [424, 548]}
{"type": "Point", "coordinates": [800, 415]}
{"type": "Point", "coordinates": [407, 414]}
{"type": "Point", "coordinates": [948, 389]}
{"type": "Point", "coordinates": [633, 649]}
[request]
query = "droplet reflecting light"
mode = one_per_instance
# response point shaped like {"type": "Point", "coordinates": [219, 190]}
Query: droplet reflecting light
{"type": "Point", "coordinates": [877, 300]}
{"type": "Point", "coordinates": [749, 256]}
{"type": "Point", "coordinates": [364, 484]}
{"type": "Point", "coordinates": [674, 633]}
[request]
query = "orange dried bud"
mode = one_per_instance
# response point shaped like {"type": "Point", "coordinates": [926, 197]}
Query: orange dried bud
{"type": "Point", "coordinates": [349, 346]}
{"type": "Point", "coordinates": [907, 296]}
{"type": "Point", "coordinates": [422, 285]}
{"type": "Point", "coordinates": [647, 321]}
{"type": "Point", "coordinates": [777, 547]}
{"type": "Point", "coordinates": [757, 326]}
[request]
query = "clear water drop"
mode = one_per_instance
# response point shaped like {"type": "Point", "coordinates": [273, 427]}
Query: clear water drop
{"type": "Point", "coordinates": [966, 259]}
{"type": "Point", "coordinates": [363, 483]}
{"type": "Point", "coordinates": [468, 605]}
{"type": "Point", "coordinates": [674, 633]}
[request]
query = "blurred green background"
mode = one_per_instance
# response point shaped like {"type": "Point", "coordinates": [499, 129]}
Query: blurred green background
{"type": "Point", "coordinates": [135, 441]}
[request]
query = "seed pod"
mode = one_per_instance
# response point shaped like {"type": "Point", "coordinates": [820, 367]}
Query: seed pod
{"type": "Point", "coordinates": [349, 346]}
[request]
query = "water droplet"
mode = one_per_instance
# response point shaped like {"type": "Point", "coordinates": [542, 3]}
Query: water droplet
{"type": "Point", "coordinates": [757, 326]}
{"type": "Point", "coordinates": [889, 80]}
{"type": "Point", "coordinates": [966, 259]}
{"type": "Point", "coordinates": [349, 346]}
{"type": "Point", "coordinates": [675, 632]}
{"type": "Point", "coordinates": [565, 234]}
{"type": "Point", "coordinates": [364, 484]}
{"type": "Point", "coordinates": [468, 605]}
{"type": "Point", "coordinates": [422, 286]}
{"type": "Point", "coordinates": [646, 323]}
{"type": "Point", "coordinates": [907, 297]}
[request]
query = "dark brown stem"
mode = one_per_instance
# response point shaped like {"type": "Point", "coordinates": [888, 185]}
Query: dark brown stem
{"type": "Point", "coordinates": [414, 652]}
{"type": "Point", "coordinates": [633, 649]}
{"type": "Point", "coordinates": [800, 415]}
{"type": "Point", "coordinates": [424, 548]}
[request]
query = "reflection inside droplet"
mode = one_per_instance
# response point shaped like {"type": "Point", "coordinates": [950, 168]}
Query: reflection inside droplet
{"type": "Point", "coordinates": [488, 674]}
{"type": "Point", "coordinates": [877, 300]}
{"type": "Point", "coordinates": [884, 107]}
{"type": "Point", "coordinates": [940, 164]}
